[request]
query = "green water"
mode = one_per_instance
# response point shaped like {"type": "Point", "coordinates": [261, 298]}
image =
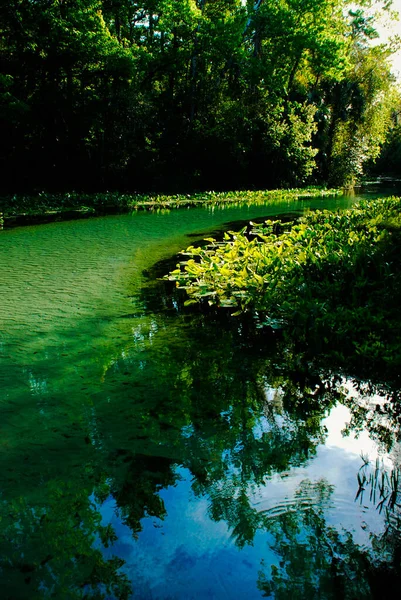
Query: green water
{"type": "Point", "coordinates": [148, 451]}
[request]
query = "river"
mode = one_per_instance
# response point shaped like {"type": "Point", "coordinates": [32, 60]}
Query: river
{"type": "Point", "coordinates": [156, 452]}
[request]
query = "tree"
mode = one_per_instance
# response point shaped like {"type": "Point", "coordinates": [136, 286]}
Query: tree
{"type": "Point", "coordinates": [155, 95]}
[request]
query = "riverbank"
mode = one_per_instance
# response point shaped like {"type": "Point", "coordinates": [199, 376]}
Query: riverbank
{"type": "Point", "coordinates": [18, 210]}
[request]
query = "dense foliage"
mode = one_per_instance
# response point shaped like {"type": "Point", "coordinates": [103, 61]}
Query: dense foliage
{"type": "Point", "coordinates": [331, 278]}
{"type": "Point", "coordinates": [192, 94]}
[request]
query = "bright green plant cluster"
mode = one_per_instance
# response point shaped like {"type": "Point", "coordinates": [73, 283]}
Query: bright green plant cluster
{"type": "Point", "coordinates": [329, 275]}
{"type": "Point", "coordinates": [265, 266]}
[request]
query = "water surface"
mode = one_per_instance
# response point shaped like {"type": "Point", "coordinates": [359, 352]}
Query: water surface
{"type": "Point", "coordinates": [148, 451]}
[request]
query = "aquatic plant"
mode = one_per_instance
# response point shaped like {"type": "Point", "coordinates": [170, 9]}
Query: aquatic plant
{"type": "Point", "coordinates": [382, 484]}
{"type": "Point", "coordinates": [332, 278]}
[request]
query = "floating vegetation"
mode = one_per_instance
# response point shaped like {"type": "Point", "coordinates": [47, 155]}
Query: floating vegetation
{"type": "Point", "coordinates": [332, 279]}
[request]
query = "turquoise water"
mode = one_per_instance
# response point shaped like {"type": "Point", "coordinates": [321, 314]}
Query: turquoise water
{"type": "Point", "coordinates": [169, 439]}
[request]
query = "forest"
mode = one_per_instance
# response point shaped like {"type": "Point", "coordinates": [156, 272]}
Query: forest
{"type": "Point", "coordinates": [192, 95]}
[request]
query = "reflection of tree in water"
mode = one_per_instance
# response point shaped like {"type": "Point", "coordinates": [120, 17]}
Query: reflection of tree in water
{"type": "Point", "coordinates": [375, 407]}
{"type": "Point", "coordinates": [216, 405]}
{"type": "Point", "coordinates": [199, 391]}
{"type": "Point", "coordinates": [135, 482]}
{"type": "Point", "coordinates": [318, 562]}
{"type": "Point", "coordinates": [231, 409]}
{"type": "Point", "coordinates": [258, 441]}
{"type": "Point", "coordinates": [55, 550]}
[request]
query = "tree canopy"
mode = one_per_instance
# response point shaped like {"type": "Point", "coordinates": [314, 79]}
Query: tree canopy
{"type": "Point", "coordinates": [174, 96]}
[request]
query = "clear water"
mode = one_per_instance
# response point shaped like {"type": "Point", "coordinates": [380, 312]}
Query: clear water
{"type": "Point", "coordinates": [171, 428]}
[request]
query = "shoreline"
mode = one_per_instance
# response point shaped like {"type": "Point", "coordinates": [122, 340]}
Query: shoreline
{"type": "Point", "coordinates": [19, 211]}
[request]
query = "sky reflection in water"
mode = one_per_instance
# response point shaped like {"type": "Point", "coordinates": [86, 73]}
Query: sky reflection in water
{"type": "Point", "coordinates": [189, 555]}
